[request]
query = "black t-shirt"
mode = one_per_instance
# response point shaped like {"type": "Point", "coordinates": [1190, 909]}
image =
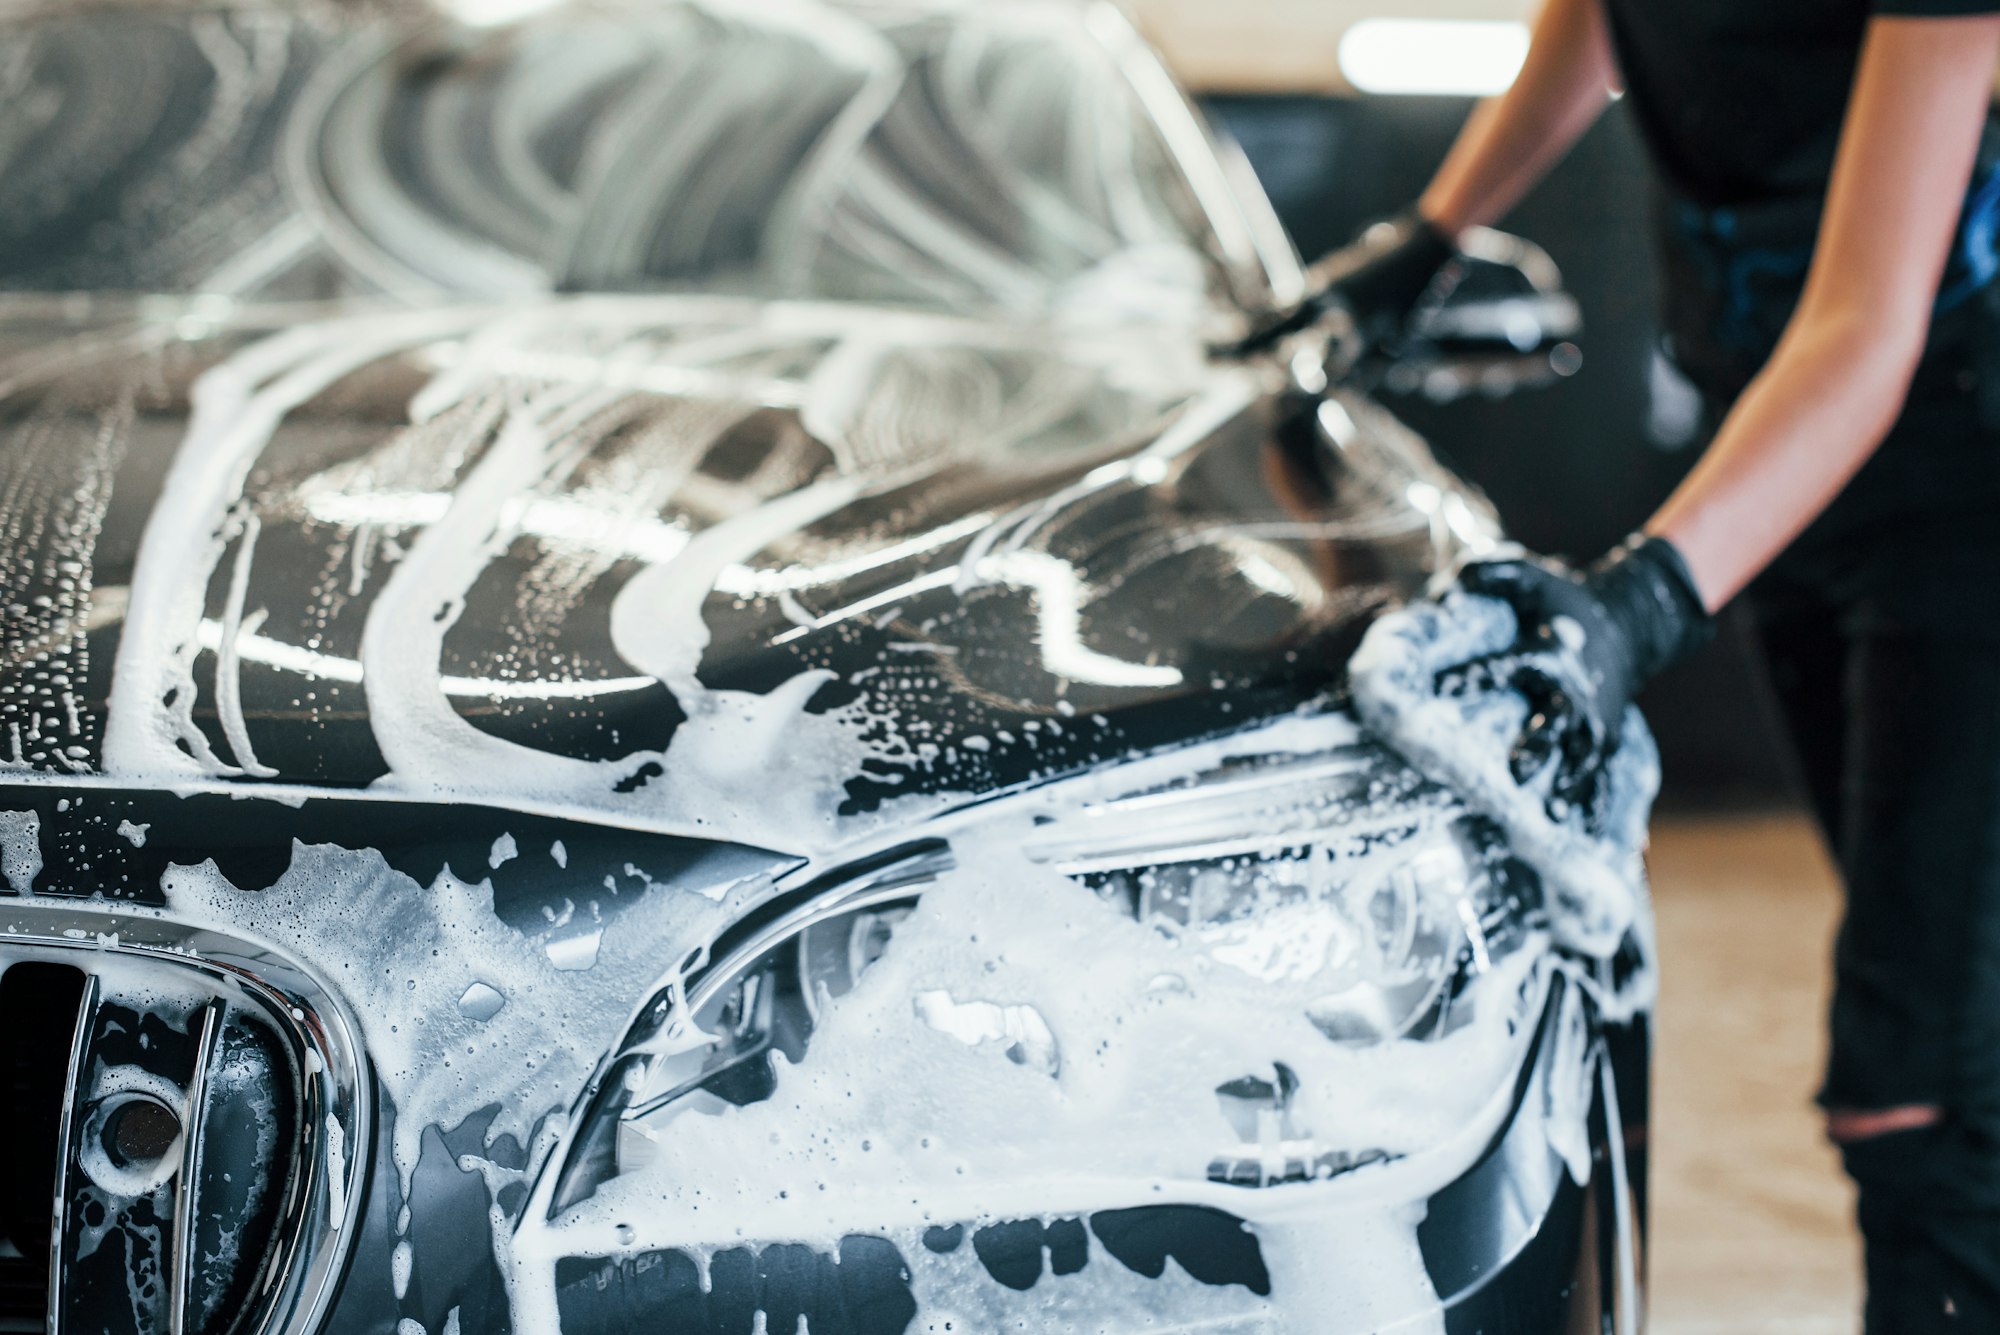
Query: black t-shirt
{"type": "Point", "coordinates": [1742, 100]}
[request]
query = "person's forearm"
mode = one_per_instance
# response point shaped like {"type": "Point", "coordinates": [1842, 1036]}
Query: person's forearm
{"type": "Point", "coordinates": [1802, 429]}
{"type": "Point", "coordinates": [1837, 381]}
{"type": "Point", "coordinates": [1512, 140]}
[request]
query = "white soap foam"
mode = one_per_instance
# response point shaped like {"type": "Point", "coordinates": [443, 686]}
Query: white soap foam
{"type": "Point", "coordinates": [1066, 1062]}
{"type": "Point", "coordinates": [526, 396]}
{"type": "Point", "coordinates": [20, 849]}
{"type": "Point", "coordinates": [1595, 878]}
{"type": "Point", "coordinates": [405, 954]}
{"type": "Point", "coordinates": [894, 1121]}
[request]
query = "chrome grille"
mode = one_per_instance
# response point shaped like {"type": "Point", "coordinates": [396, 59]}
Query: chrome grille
{"type": "Point", "coordinates": [189, 1118]}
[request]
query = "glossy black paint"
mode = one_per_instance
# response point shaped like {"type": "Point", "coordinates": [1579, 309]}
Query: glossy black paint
{"type": "Point", "coordinates": [101, 392]}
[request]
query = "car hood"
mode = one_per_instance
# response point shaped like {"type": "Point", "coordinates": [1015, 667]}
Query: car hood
{"type": "Point", "coordinates": [752, 571]}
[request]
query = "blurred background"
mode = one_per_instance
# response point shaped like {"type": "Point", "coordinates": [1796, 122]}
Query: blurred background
{"type": "Point", "coordinates": [1344, 108]}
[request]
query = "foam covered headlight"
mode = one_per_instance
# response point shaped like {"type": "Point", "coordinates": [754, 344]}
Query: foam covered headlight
{"type": "Point", "coordinates": [1332, 881]}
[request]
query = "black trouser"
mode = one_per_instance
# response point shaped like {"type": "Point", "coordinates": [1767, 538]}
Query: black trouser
{"type": "Point", "coordinates": [1881, 628]}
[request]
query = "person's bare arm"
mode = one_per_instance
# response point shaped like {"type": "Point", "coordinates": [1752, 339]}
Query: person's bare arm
{"type": "Point", "coordinates": [1511, 140]}
{"type": "Point", "coordinates": [1840, 374]}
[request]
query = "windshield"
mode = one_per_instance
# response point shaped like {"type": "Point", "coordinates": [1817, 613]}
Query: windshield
{"type": "Point", "coordinates": [994, 158]}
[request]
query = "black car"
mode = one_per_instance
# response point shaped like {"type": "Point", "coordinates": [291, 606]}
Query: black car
{"type": "Point", "coordinates": [650, 680]}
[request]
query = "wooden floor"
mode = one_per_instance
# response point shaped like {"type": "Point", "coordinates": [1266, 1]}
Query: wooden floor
{"type": "Point", "coordinates": [1751, 1216]}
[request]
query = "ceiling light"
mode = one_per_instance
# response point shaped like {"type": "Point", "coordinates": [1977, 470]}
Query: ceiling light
{"type": "Point", "coordinates": [1442, 57]}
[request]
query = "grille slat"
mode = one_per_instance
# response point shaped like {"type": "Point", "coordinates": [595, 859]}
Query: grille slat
{"type": "Point", "coordinates": [182, 1321]}
{"type": "Point", "coordinates": [61, 1195]}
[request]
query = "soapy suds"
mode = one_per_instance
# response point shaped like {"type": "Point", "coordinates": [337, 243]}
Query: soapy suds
{"type": "Point", "coordinates": [1069, 110]}
{"type": "Point", "coordinates": [527, 399]}
{"type": "Point", "coordinates": [405, 954]}
{"type": "Point", "coordinates": [20, 850]}
{"type": "Point", "coordinates": [699, 131]}
{"type": "Point", "coordinates": [55, 493]}
{"type": "Point", "coordinates": [1014, 998]}
{"type": "Point", "coordinates": [1591, 863]}
{"type": "Point", "coordinates": [234, 409]}
{"type": "Point", "coordinates": [195, 204]}
{"type": "Point", "coordinates": [1024, 1049]}
{"type": "Point", "coordinates": [895, 1122]}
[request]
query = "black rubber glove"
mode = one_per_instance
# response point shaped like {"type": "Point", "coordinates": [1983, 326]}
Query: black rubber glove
{"type": "Point", "coordinates": [1380, 277]}
{"type": "Point", "coordinates": [1625, 620]}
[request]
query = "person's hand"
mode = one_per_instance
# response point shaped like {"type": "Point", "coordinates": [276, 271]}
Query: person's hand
{"type": "Point", "coordinates": [1511, 687]}
{"type": "Point", "coordinates": [1386, 272]}
{"type": "Point", "coordinates": [1379, 279]}
{"type": "Point", "coordinates": [1618, 624]}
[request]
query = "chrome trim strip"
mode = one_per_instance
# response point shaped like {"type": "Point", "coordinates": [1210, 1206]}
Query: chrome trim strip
{"type": "Point", "coordinates": [1257, 809]}
{"type": "Point", "coordinates": [715, 979]}
{"type": "Point", "coordinates": [1631, 1290]}
{"type": "Point", "coordinates": [885, 885]}
{"type": "Point", "coordinates": [79, 1054]}
{"type": "Point", "coordinates": [189, 1173]}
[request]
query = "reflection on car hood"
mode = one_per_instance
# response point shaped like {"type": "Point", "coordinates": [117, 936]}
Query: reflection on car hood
{"type": "Point", "coordinates": [635, 559]}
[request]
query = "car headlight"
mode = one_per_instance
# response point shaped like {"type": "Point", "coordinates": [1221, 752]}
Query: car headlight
{"type": "Point", "coordinates": [1319, 951]}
